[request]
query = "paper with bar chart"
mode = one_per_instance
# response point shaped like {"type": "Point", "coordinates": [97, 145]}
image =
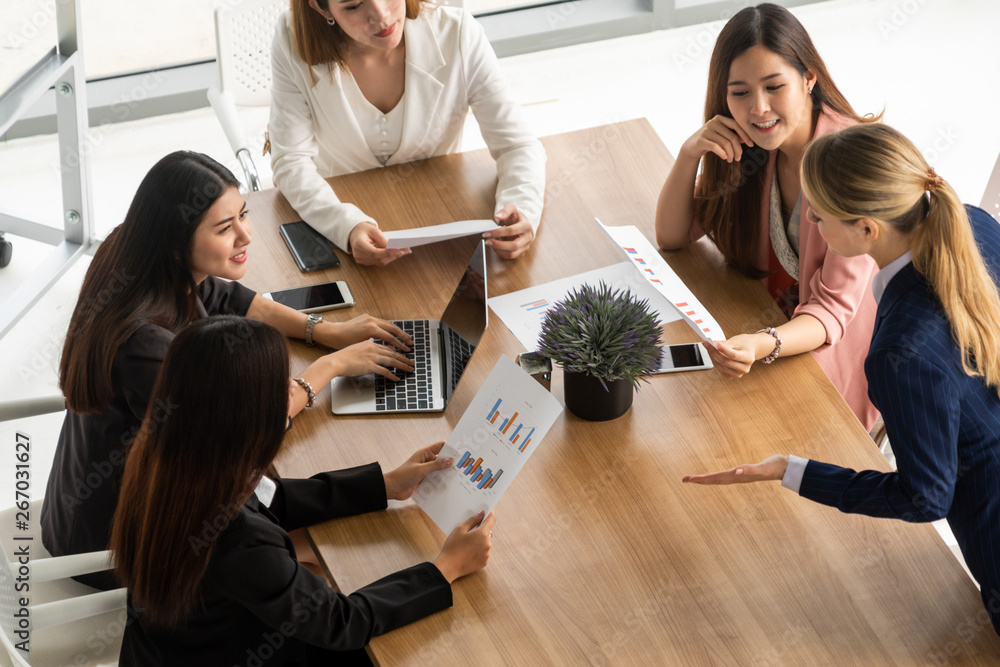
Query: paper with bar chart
{"type": "Point", "coordinates": [524, 311]}
{"type": "Point", "coordinates": [500, 430]}
{"type": "Point", "coordinates": [648, 262]}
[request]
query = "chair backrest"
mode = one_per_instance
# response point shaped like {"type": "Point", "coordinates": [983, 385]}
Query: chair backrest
{"type": "Point", "coordinates": [991, 198]}
{"type": "Point", "coordinates": [243, 35]}
{"type": "Point", "coordinates": [69, 623]}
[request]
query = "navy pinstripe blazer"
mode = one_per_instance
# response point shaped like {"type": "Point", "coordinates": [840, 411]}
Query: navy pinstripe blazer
{"type": "Point", "coordinates": [944, 426]}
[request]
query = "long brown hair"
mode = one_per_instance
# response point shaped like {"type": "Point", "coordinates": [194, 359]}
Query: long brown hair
{"type": "Point", "coordinates": [225, 380]}
{"type": "Point", "coordinates": [728, 196]}
{"type": "Point", "coordinates": [317, 42]}
{"type": "Point", "coordinates": [873, 171]}
{"type": "Point", "coordinates": [140, 273]}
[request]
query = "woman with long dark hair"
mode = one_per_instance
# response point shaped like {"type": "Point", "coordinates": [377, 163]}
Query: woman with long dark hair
{"type": "Point", "coordinates": [211, 572]}
{"type": "Point", "coordinates": [934, 364]}
{"type": "Point", "coordinates": [769, 95]}
{"type": "Point", "coordinates": [185, 235]}
{"type": "Point", "coordinates": [363, 85]}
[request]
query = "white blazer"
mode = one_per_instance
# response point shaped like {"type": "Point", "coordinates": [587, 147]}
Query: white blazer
{"type": "Point", "coordinates": [450, 67]}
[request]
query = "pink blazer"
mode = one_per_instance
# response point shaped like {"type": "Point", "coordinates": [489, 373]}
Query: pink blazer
{"type": "Point", "coordinates": [835, 290]}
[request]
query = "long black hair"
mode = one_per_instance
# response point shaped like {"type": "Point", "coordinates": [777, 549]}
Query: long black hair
{"type": "Point", "coordinates": [225, 384]}
{"type": "Point", "coordinates": [140, 273]}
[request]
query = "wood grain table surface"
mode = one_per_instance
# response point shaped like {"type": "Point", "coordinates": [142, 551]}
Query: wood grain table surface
{"type": "Point", "coordinates": [601, 556]}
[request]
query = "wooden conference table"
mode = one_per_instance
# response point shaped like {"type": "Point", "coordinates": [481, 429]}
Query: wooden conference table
{"type": "Point", "coordinates": [600, 554]}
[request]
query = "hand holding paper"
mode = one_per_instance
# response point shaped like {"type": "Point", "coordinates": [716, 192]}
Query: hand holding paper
{"type": "Point", "coordinates": [409, 238]}
{"type": "Point", "coordinates": [498, 433]}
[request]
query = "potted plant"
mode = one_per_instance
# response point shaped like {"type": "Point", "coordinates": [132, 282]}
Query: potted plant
{"type": "Point", "coordinates": [604, 340]}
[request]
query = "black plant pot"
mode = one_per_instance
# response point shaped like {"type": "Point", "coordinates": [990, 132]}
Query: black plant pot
{"type": "Point", "coordinates": [587, 398]}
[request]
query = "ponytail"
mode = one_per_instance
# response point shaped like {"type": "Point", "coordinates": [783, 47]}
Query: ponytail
{"type": "Point", "coordinates": [945, 252]}
{"type": "Point", "coordinates": [873, 171]}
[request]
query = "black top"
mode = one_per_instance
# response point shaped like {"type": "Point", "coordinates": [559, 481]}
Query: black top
{"type": "Point", "coordinates": [83, 486]}
{"type": "Point", "coordinates": [258, 601]}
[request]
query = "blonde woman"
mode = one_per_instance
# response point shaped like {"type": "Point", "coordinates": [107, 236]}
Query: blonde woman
{"type": "Point", "coordinates": [934, 363]}
{"type": "Point", "coordinates": [370, 83]}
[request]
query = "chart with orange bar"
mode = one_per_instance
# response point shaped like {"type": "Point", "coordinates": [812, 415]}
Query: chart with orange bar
{"type": "Point", "coordinates": [650, 264]}
{"type": "Point", "coordinates": [499, 431]}
{"type": "Point", "coordinates": [523, 312]}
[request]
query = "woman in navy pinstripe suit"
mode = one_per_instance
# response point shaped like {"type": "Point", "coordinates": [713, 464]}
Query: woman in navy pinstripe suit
{"type": "Point", "coordinates": [934, 364]}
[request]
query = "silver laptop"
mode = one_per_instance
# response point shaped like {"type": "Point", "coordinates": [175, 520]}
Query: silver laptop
{"type": "Point", "coordinates": [440, 353]}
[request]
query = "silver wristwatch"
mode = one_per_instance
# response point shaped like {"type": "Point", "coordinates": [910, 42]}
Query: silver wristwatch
{"type": "Point", "coordinates": [311, 323]}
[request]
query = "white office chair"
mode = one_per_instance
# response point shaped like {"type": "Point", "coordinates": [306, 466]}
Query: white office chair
{"type": "Point", "coordinates": [243, 35]}
{"type": "Point", "coordinates": [991, 198]}
{"type": "Point", "coordinates": [70, 624]}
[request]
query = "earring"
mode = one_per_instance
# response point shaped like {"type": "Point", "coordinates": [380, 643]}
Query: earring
{"type": "Point", "coordinates": [333, 23]}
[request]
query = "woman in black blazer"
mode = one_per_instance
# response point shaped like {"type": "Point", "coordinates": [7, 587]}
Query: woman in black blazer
{"type": "Point", "coordinates": [202, 545]}
{"type": "Point", "coordinates": [185, 235]}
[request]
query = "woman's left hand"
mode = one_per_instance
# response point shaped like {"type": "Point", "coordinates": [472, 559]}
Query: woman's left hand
{"type": "Point", "coordinates": [338, 335]}
{"type": "Point", "coordinates": [734, 357]}
{"type": "Point", "coordinates": [512, 241]}
{"type": "Point", "coordinates": [770, 469]}
{"type": "Point", "coordinates": [404, 480]}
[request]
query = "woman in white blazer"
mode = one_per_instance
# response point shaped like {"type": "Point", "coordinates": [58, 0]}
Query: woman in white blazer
{"type": "Point", "coordinates": [359, 84]}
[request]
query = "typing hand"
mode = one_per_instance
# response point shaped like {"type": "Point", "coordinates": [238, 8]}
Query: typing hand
{"type": "Point", "coordinates": [369, 357]}
{"type": "Point", "coordinates": [513, 240]}
{"type": "Point", "coordinates": [368, 245]}
{"type": "Point", "coordinates": [770, 469]}
{"type": "Point", "coordinates": [338, 335]}
{"type": "Point", "coordinates": [404, 480]}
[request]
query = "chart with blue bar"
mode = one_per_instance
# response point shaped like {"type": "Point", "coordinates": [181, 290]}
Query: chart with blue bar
{"type": "Point", "coordinates": [504, 426]}
{"type": "Point", "coordinates": [472, 470]}
{"type": "Point", "coordinates": [500, 430]}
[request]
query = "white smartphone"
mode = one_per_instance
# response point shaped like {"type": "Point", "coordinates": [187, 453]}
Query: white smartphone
{"type": "Point", "coordinates": [686, 357]}
{"type": "Point", "coordinates": [314, 298]}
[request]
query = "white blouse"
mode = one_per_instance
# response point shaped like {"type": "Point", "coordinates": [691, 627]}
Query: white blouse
{"type": "Point", "coordinates": [382, 131]}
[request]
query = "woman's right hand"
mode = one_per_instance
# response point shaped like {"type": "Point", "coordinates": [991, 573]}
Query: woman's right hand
{"type": "Point", "coordinates": [368, 245]}
{"type": "Point", "coordinates": [467, 548]}
{"type": "Point", "coordinates": [722, 135]}
{"type": "Point", "coordinates": [368, 357]}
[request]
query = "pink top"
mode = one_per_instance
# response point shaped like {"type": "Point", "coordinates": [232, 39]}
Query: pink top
{"type": "Point", "coordinates": [835, 290]}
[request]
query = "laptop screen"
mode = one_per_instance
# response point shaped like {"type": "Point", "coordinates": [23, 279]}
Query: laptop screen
{"type": "Point", "coordinates": [466, 317]}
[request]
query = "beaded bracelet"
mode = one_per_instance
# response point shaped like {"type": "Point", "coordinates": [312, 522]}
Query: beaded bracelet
{"type": "Point", "coordinates": [309, 391]}
{"type": "Point", "coordinates": [777, 345]}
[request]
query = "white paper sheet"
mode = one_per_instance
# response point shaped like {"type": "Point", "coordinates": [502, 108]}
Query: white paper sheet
{"type": "Point", "coordinates": [500, 430]}
{"type": "Point", "coordinates": [409, 238]}
{"type": "Point", "coordinates": [523, 311]}
{"type": "Point", "coordinates": [648, 263]}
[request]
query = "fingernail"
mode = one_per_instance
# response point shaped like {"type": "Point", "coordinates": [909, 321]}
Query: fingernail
{"type": "Point", "coordinates": [449, 461]}
{"type": "Point", "coordinates": [487, 235]}
{"type": "Point", "coordinates": [739, 471]}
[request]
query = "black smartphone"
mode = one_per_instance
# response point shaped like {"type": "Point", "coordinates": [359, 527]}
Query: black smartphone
{"type": "Point", "coordinates": [312, 251]}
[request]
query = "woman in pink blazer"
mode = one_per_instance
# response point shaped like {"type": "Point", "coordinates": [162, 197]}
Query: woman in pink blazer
{"type": "Point", "coordinates": [769, 95]}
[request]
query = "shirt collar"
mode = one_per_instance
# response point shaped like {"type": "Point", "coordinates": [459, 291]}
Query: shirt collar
{"type": "Point", "coordinates": [887, 273]}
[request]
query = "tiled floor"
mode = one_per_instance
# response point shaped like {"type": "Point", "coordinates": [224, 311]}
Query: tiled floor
{"type": "Point", "coordinates": [932, 66]}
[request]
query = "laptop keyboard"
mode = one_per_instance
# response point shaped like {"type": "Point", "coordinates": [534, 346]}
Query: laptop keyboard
{"type": "Point", "coordinates": [415, 391]}
{"type": "Point", "coordinates": [461, 350]}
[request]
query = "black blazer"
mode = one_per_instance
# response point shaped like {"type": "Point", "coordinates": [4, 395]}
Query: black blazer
{"type": "Point", "coordinates": [82, 493]}
{"type": "Point", "coordinates": [259, 605]}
